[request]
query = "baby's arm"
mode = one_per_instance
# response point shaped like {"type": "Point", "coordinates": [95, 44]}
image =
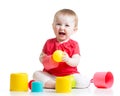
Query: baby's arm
{"type": "Point", "coordinates": [47, 61]}
{"type": "Point", "coordinates": [71, 61]}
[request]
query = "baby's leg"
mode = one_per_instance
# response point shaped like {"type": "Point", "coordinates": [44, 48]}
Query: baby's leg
{"type": "Point", "coordinates": [81, 81]}
{"type": "Point", "coordinates": [47, 79]}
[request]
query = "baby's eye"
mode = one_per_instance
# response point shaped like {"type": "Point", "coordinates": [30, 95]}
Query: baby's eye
{"type": "Point", "coordinates": [58, 24]}
{"type": "Point", "coordinates": [67, 25]}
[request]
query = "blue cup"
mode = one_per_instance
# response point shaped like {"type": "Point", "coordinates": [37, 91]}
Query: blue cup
{"type": "Point", "coordinates": [37, 86]}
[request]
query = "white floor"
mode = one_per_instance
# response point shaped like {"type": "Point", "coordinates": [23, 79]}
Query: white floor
{"type": "Point", "coordinates": [91, 91]}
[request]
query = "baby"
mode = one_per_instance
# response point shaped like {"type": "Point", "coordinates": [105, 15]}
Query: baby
{"type": "Point", "coordinates": [65, 24]}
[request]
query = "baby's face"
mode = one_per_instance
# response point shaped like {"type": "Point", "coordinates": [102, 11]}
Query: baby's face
{"type": "Point", "coordinates": [63, 27]}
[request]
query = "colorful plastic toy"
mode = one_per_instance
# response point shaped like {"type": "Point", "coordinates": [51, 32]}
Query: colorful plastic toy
{"type": "Point", "coordinates": [103, 79]}
{"type": "Point", "coordinates": [30, 84]}
{"type": "Point", "coordinates": [37, 86]}
{"type": "Point", "coordinates": [57, 56]}
{"type": "Point", "coordinates": [63, 85]}
{"type": "Point", "coordinates": [18, 82]}
{"type": "Point", "coordinates": [73, 82]}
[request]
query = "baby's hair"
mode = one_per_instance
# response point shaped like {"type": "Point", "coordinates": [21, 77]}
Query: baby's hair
{"type": "Point", "coordinates": [68, 12]}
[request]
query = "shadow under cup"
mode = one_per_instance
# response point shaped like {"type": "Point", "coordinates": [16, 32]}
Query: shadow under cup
{"type": "Point", "coordinates": [103, 79]}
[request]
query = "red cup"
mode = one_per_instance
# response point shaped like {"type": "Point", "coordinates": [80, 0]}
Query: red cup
{"type": "Point", "coordinates": [30, 84]}
{"type": "Point", "coordinates": [103, 79]}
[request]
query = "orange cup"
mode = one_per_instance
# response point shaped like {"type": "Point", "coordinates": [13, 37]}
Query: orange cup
{"type": "Point", "coordinates": [103, 79]}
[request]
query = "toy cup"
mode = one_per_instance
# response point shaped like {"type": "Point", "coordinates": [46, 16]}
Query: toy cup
{"type": "Point", "coordinates": [18, 82]}
{"type": "Point", "coordinates": [30, 84]}
{"type": "Point", "coordinates": [103, 79]}
{"type": "Point", "coordinates": [37, 86]}
{"type": "Point", "coordinates": [73, 81]}
{"type": "Point", "coordinates": [63, 85]}
{"type": "Point", "coordinates": [57, 56]}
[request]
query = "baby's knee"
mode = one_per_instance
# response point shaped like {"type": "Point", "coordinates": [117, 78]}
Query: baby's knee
{"type": "Point", "coordinates": [82, 81]}
{"type": "Point", "coordinates": [83, 84]}
{"type": "Point", "coordinates": [36, 75]}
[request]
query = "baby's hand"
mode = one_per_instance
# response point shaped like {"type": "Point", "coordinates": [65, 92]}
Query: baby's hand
{"type": "Point", "coordinates": [42, 55]}
{"type": "Point", "coordinates": [65, 57]}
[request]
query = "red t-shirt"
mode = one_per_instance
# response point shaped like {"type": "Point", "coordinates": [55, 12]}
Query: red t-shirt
{"type": "Point", "coordinates": [71, 47]}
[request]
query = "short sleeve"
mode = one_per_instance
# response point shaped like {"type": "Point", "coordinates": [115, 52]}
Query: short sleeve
{"type": "Point", "coordinates": [76, 48]}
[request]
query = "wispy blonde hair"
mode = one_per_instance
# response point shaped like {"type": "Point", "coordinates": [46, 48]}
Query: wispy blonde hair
{"type": "Point", "coordinates": [67, 12]}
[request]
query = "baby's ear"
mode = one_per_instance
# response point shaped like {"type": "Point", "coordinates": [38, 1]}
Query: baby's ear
{"type": "Point", "coordinates": [75, 29]}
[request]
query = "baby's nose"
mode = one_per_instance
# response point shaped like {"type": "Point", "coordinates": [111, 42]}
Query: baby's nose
{"type": "Point", "coordinates": [62, 27]}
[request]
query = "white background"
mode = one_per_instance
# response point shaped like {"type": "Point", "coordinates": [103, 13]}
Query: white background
{"type": "Point", "coordinates": [25, 25]}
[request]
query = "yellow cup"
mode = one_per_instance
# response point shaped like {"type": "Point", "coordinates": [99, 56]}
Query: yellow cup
{"type": "Point", "coordinates": [63, 85]}
{"type": "Point", "coordinates": [18, 82]}
{"type": "Point", "coordinates": [73, 81]}
{"type": "Point", "coordinates": [57, 55]}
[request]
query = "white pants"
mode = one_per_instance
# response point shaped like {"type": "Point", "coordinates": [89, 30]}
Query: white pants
{"type": "Point", "coordinates": [81, 81]}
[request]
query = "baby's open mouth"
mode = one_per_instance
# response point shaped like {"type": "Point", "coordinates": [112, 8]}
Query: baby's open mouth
{"type": "Point", "coordinates": [61, 33]}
